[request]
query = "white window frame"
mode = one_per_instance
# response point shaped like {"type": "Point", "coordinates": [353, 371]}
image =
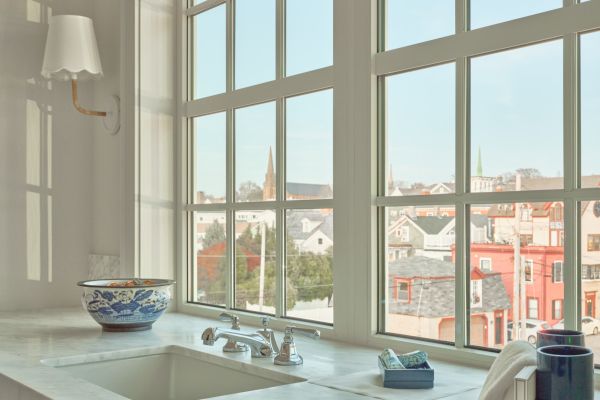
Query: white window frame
{"type": "Point", "coordinates": [357, 159]}
{"type": "Point", "coordinates": [562, 24]}
{"type": "Point", "coordinates": [276, 91]}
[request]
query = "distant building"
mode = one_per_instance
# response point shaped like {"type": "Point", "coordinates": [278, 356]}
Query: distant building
{"type": "Point", "coordinates": [431, 236]}
{"type": "Point", "coordinates": [311, 230]}
{"type": "Point", "coordinates": [422, 292]}
{"type": "Point", "coordinates": [294, 190]}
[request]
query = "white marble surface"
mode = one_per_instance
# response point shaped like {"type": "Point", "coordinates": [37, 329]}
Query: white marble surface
{"type": "Point", "coordinates": [26, 338]}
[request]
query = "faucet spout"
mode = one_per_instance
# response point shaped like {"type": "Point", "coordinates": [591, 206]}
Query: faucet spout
{"type": "Point", "coordinates": [259, 346]}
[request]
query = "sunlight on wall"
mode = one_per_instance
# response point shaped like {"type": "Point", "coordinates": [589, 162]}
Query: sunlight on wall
{"type": "Point", "coordinates": [33, 142]}
{"type": "Point", "coordinates": [34, 11]}
{"type": "Point", "coordinates": [33, 233]}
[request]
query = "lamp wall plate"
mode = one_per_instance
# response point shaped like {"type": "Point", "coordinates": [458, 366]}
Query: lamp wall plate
{"type": "Point", "coordinates": [112, 120]}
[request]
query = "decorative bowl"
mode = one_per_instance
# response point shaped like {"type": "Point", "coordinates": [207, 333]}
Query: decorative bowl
{"type": "Point", "coordinates": [126, 305]}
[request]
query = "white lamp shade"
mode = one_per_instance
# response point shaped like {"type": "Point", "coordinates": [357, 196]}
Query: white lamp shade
{"type": "Point", "coordinates": [71, 49]}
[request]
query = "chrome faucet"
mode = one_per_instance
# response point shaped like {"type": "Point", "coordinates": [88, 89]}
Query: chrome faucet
{"type": "Point", "coordinates": [289, 354]}
{"type": "Point", "coordinates": [232, 346]}
{"type": "Point", "coordinates": [259, 346]}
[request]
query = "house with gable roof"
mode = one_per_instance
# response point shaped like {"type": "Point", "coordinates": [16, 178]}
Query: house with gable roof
{"type": "Point", "coordinates": [422, 291]}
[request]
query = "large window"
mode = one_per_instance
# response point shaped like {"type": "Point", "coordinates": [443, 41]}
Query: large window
{"type": "Point", "coordinates": [260, 157]}
{"type": "Point", "coordinates": [461, 137]}
{"type": "Point", "coordinates": [486, 133]}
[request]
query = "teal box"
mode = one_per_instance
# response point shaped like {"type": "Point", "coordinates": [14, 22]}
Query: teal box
{"type": "Point", "coordinates": [409, 378]}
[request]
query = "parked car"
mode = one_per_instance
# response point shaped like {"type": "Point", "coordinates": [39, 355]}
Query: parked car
{"type": "Point", "coordinates": [532, 326]}
{"type": "Point", "coordinates": [589, 325]}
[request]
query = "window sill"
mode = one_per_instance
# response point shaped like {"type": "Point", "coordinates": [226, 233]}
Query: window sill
{"type": "Point", "coordinates": [253, 319]}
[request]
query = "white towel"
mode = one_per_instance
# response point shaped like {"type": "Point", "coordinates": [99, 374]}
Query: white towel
{"type": "Point", "coordinates": [499, 383]}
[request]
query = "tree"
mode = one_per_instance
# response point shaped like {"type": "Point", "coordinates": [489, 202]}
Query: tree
{"type": "Point", "coordinates": [214, 234]}
{"type": "Point", "coordinates": [309, 276]}
{"type": "Point", "coordinates": [249, 191]}
{"type": "Point", "coordinates": [524, 172]}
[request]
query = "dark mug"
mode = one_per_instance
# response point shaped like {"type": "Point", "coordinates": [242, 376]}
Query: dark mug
{"type": "Point", "coordinates": [554, 337]}
{"type": "Point", "coordinates": [565, 372]}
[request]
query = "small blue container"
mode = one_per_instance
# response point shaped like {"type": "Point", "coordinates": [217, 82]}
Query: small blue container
{"type": "Point", "coordinates": [409, 378]}
{"type": "Point", "coordinates": [565, 372]}
{"type": "Point", "coordinates": [555, 337]}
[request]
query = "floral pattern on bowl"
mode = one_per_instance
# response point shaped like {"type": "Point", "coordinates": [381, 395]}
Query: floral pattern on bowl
{"type": "Point", "coordinates": [123, 309]}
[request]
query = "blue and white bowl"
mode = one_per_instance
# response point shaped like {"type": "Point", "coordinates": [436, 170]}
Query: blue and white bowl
{"type": "Point", "coordinates": [126, 309]}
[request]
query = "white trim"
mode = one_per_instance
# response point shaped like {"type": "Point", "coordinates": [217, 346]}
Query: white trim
{"type": "Point", "coordinates": [285, 87]}
{"type": "Point", "coordinates": [519, 32]}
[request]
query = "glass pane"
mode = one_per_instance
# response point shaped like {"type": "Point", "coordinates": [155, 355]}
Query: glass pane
{"type": "Point", "coordinates": [309, 144]}
{"type": "Point", "coordinates": [409, 22]}
{"type": "Point", "coordinates": [255, 261]}
{"type": "Point", "coordinates": [255, 163]}
{"type": "Point", "coordinates": [590, 274]}
{"type": "Point", "coordinates": [420, 128]}
{"type": "Point", "coordinates": [210, 35]}
{"type": "Point", "coordinates": [486, 12]}
{"type": "Point", "coordinates": [308, 35]}
{"type": "Point", "coordinates": [211, 258]}
{"type": "Point", "coordinates": [516, 119]}
{"type": "Point", "coordinates": [517, 258]}
{"type": "Point", "coordinates": [210, 158]}
{"type": "Point", "coordinates": [420, 269]}
{"type": "Point", "coordinates": [590, 104]}
{"type": "Point", "coordinates": [309, 264]}
{"type": "Point", "coordinates": [254, 42]}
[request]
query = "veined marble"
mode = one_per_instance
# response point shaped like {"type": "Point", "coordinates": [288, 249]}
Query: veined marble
{"type": "Point", "coordinates": [26, 338]}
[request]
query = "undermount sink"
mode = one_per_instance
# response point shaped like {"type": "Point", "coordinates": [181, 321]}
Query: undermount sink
{"type": "Point", "coordinates": [169, 373]}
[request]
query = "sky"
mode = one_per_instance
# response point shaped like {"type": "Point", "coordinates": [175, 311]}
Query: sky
{"type": "Point", "coordinates": [516, 95]}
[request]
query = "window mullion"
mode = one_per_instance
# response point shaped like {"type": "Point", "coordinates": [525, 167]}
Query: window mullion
{"type": "Point", "coordinates": [230, 161]}
{"type": "Point", "coordinates": [280, 212]}
{"type": "Point", "coordinates": [230, 213]}
{"type": "Point", "coordinates": [462, 163]}
{"type": "Point", "coordinates": [572, 181]}
{"type": "Point", "coordinates": [280, 39]}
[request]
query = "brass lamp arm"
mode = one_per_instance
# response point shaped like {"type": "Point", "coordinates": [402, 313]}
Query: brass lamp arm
{"type": "Point", "coordinates": [80, 108]}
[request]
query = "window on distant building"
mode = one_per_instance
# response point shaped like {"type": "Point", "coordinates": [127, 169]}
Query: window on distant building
{"type": "Point", "coordinates": [532, 308]}
{"type": "Point", "coordinates": [260, 156]}
{"type": "Point", "coordinates": [528, 265]}
{"type": "Point", "coordinates": [593, 242]}
{"type": "Point", "coordinates": [485, 264]}
{"type": "Point", "coordinates": [403, 291]}
{"type": "Point", "coordinates": [526, 213]}
{"type": "Point", "coordinates": [557, 307]}
{"type": "Point", "coordinates": [557, 271]}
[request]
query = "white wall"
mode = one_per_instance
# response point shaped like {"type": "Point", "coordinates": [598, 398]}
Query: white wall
{"type": "Point", "coordinates": [106, 179]}
{"type": "Point", "coordinates": [59, 173]}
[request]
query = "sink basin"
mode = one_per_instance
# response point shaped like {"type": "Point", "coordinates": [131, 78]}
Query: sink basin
{"type": "Point", "coordinates": [169, 373]}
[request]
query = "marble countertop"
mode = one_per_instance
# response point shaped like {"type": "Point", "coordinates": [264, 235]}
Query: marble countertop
{"type": "Point", "coordinates": [26, 338]}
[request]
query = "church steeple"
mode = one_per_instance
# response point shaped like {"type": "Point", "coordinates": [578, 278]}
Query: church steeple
{"type": "Point", "coordinates": [479, 170]}
{"type": "Point", "coordinates": [269, 183]}
{"type": "Point", "coordinates": [390, 182]}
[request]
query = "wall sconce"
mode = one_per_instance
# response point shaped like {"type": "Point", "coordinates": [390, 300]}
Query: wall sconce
{"type": "Point", "coordinates": [72, 54]}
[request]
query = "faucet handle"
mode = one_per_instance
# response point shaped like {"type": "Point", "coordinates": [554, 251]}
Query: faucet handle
{"type": "Point", "coordinates": [265, 322]}
{"type": "Point", "coordinates": [228, 317]}
{"type": "Point", "coordinates": [289, 354]}
{"type": "Point", "coordinates": [232, 346]}
{"type": "Point", "coordinates": [290, 330]}
{"type": "Point", "coordinates": [268, 334]}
